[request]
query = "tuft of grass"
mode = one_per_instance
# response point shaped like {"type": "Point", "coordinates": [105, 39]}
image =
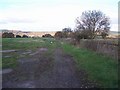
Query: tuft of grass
{"type": "Point", "coordinates": [102, 69]}
{"type": "Point", "coordinates": [9, 62]}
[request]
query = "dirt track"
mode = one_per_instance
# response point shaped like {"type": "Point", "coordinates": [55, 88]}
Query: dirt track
{"type": "Point", "coordinates": [39, 71]}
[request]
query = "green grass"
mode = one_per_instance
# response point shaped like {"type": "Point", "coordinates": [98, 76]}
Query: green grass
{"type": "Point", "coordinates": [102, 69]}
{"type": "Point", "coordinates": [9, 62]}
{"type": "Point", "coordinates": [24, 44]}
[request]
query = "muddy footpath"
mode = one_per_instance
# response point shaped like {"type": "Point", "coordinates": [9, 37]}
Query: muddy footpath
{"type": "Point", "coordinates": [40, 70]}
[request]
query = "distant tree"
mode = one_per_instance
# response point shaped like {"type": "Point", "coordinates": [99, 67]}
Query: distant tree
{"type": "Point", "coordinates": [43, 35]}
{"type": "Point", "coordinates": [58, 34]}
{"type": "Point", "coordinates": [25, 36]}
{"type": "Point", "coordinates": [66, 32]}
{"type": "Point", "coordinates": [47, 35]}
{"type": "Point", "coordinates": [18, 36]}
{"type": "Point", "coordinates": [8, 35]}
{"type": "Point", "coordinates": [11, 35]}
{"type": "Point", "coordinates": [104, 34]}
{"type": "Point", "coordinates": [77, 36]}
{"type": "Point", "coordinates": [5, 35]}
{"type": "Point", "coordinates": [93, 23]}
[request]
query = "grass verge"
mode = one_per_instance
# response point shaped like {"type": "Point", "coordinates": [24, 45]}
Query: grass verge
{"type": "Point", "coordinates": [102, 69]}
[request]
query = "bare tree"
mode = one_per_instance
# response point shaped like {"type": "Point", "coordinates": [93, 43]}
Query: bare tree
{"type": "Point", "coordinates": [93, 23]}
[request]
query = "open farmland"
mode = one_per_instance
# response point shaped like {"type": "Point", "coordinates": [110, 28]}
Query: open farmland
{"type": "Point", "coordinates": [49, 63]}
{"type": "Point", "coordinates": [59, 44]}
{"type": "Point", "coordinates": [28, 33]}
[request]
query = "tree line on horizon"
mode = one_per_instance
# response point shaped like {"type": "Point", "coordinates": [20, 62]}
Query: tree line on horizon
{"type": "Point", "coordinates": [11, 35]}
{"type": "Point", "coordinates": [89, 25]}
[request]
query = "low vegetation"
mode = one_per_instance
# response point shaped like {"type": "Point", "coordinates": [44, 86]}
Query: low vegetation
{"type": "Point", "coordinates": [47, 36]}
{"type": "Point", "coordinates": [23, 44]}
{"type": "Point", "coordinates": [7, 35]}
{"type": "Point", "coordinates": [102, 69]}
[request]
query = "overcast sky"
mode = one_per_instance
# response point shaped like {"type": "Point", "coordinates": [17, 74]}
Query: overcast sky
{"type": "Point", "coordinates": [51, 15]}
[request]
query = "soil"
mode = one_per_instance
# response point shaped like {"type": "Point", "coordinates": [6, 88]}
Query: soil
{"type": "Point", "coordinates": [7, 51]}
{"type": "Point", "coordinates": [4, 71]}
{"type": "Point", "coordinates": [41, 71]}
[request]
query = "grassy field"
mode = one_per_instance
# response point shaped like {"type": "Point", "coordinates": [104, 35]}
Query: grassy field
{"type": "Point", "coordinates": [23, 44]}
{"type": "Point", "coordinates": [102, 69]}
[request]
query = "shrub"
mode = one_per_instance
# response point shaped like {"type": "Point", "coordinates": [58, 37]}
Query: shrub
{"type": "Point", "coordinates": [25, 36]}
{"type": "Point", "coordinates": [7, 35]}
{"type": "Point", "coordinates": [47, 35]}
{"type": "Point", "coordinates": [18, 36]}
{"type": "Point", "coordinates": [58, 34]}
